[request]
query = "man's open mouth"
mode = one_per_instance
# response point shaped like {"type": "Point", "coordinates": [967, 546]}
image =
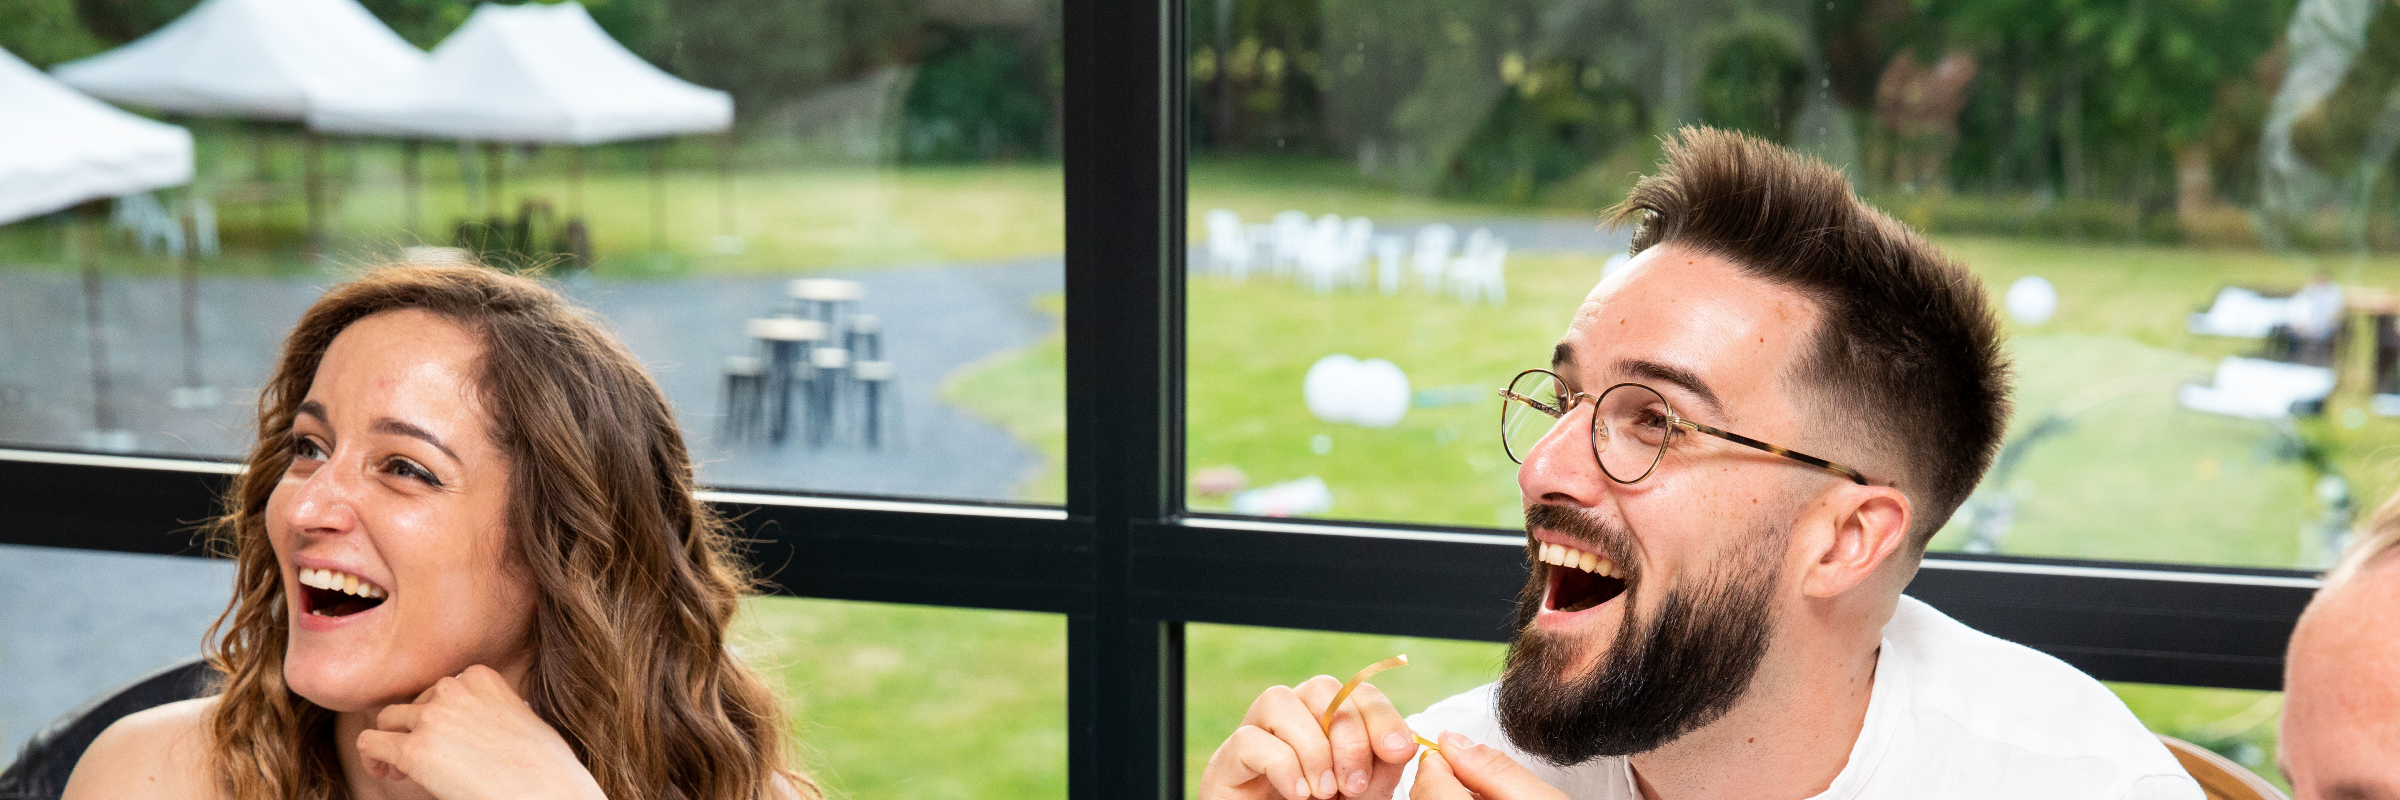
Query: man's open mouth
{"type": "Point", "coordinates": [333, 593]}
{"type": "Point", "coordinates": [1579, 579]}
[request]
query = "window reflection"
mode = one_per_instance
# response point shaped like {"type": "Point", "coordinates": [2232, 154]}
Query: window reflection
{"type": "Point", "coordinates": [2184, 214]}
{"type": "Point", "coordinates": [700, 172]}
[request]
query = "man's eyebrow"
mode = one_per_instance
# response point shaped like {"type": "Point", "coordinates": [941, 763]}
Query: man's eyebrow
{"type": "Point", "coordinates": [1561, 357]}
{"type": "Point", "coordinates": [393, 426]}
{"type": "Point", "coordinates": [1689, 381]}
{"type": "Point", "coordinates": [2358, 790]}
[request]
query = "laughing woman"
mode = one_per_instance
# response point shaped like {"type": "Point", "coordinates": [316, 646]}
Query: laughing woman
{"type": "Point", "coordinates": [470, 566]}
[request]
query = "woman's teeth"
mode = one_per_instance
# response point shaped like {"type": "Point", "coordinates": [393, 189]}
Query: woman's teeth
{"type": "Point", "coordinates": [1563, 556]}
{"type": "Point", "coordinates": [343, 582]}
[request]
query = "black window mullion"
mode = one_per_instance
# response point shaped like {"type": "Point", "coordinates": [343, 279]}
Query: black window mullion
{"type": "Point", "coordinates": [1124, 323]}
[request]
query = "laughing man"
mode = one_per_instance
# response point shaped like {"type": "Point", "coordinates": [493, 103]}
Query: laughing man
{"type": "Point", "coordinates": [1730, 469]}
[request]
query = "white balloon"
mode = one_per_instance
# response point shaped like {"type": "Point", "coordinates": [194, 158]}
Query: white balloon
{"type": "Point", "coordinates": [1342, 389]}
{"type": "Point", "coordinates": [1380, 396]}
{"type": "Point", "coordinates": [1324, 388]}
{"type": "Point", "coordinates": [2032, 300]}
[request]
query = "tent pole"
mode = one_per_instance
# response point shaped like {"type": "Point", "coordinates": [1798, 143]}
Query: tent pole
{"type": "Point", "coordinates": [492, 165]}
{"type": "Point", "coordinates": [658, 195]}
{"type": "Point", "coordinates": [725, 180]}
{"type": "Point", "coordinates": [411, 157]}
{"type": "Point", "coordinates": [191, 314]}
{"type": "Point", "coordinates": [575, 181]}
{"type": "Point", "coordinates": [312, 165]}
{"type": "Point", "coordinates": [104, 418]}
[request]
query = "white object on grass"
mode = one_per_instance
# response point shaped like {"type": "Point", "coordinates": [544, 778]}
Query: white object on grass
{"type": "Point", "coordinates": [2257, 388]}
{"type": "Point", "coordinates": [1373, 393]}
{"type": "Point", "coordinates": [1292, 498]}
{"type": "Point", "coordinates": [2032, 300]}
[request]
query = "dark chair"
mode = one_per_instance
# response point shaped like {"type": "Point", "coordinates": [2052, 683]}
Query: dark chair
{"type": "Point", "coordinates": [42, 767]}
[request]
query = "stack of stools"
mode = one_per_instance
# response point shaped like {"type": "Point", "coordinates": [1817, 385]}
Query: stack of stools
{"type": "Point", "coordinates": [745, 394]}
{"type": "Point", "coordinates": [789, 343]}
{"type": "Point", "coordinates": [873, 374]}
{"type": "Point", "coordinates": [831, 302]}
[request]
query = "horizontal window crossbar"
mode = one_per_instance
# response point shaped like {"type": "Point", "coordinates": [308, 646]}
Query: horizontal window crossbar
{"type": "Point", "coordinates": [2149, 623]}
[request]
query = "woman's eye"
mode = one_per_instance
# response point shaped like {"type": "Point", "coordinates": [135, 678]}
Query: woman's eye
{"type": "Point", "coordinates": [409, 469]}
{"type": "Point", "coordinates": [306, 449]}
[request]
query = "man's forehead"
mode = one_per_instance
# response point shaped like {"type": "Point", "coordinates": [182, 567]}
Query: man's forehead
{"type": "Point", "coordinates": [1686, 317]}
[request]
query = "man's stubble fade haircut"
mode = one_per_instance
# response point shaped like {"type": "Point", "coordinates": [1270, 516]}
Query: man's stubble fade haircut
{"type": "Point", "coordinates": [1906, 363]}
{"type": "Point", "coordinates": [1666, 674]}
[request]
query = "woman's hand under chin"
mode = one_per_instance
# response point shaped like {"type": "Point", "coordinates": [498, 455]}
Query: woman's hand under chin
{"type": "Point", "coordinates": [471, 737]}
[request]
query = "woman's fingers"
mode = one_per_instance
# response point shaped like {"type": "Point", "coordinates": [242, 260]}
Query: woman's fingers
{"type": "Point", "coordinates": [381, 752]}
{"type": "Point", "coordinates": [399, 717]}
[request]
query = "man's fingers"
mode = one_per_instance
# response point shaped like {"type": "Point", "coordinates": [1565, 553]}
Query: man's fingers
{"type": "Point", "coordinates": [1281, 712]}
{"type": "Point", "coordinates": [1435, 781]}
{"type": "Point", "coordinates": [1387, 731]}
{"type": "Point", "coordinates": [1384, 778]}
{"type": "Point", "coordinates": [1488, 772]}
{"type": "Point", "coordinates": [1317, 691]}
{"type": "Point", "coordinates": [1251, 753]}
{"type": "Point", "coordinates": [1353, 759]}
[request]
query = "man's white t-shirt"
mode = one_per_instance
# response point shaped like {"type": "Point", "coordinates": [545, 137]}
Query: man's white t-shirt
{"type": "Point", "coordinates": [1955, 713]}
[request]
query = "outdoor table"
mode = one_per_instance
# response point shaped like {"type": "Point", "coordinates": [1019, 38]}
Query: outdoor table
{"type": "Point", "coordinates": [786, 339]}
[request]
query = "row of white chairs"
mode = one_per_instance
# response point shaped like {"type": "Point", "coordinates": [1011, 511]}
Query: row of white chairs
{"type": "Point", "coordinates": [158, 228]}
{"type": "Point", "coordinates": [1331, 252]}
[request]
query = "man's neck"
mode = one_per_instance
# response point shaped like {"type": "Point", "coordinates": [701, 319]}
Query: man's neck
{"type": "Point", "coordinates": [1789, 736]}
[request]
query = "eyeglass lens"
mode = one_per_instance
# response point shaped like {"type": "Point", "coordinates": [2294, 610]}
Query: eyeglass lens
{"type": "Point", "coordinates": [1631, 425]}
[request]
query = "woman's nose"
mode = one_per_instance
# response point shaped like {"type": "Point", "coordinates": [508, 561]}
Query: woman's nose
{"type": "Point", "coordinates": [327, 502]}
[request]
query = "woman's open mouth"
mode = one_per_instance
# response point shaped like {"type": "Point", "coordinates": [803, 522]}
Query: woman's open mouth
{"type": "Point", "coordinates": [333, 593]}
{"type": "Point", "coordinates": [1579, 579]}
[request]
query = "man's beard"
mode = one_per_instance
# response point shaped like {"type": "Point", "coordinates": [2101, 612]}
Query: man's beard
{"type": "Point", "coordinates": [1679, 672]}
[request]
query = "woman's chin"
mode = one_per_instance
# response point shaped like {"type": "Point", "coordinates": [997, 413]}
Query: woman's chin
{"type": "Point", "coordinates": [341, 685]}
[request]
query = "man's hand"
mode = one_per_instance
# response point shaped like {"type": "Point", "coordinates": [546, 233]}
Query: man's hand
{"type": "Point", "coordinates": [1280, 752]}
{"type": "Point", "coordinates": [471, 737]}
{"type": "Point", "coordinates": [1464, 770]}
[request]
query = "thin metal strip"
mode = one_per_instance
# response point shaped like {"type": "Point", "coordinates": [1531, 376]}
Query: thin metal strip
{"type": "Point", "coordinates": [121, 462]}
{"type": "Point", "coordinates": [889, 506]}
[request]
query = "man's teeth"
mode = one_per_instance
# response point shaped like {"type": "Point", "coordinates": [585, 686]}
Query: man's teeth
{"type": "Point", "coordinates": [343, 582]}
{"type": "Point", "coordinates": [1563, 556]}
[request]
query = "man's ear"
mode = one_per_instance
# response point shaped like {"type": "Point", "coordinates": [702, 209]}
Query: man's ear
{"type": "Point", "coordinates": [1867, 524]}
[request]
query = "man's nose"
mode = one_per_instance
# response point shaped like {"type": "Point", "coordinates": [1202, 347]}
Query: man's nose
{"type": "Point", "coordinates": [1562, 469]}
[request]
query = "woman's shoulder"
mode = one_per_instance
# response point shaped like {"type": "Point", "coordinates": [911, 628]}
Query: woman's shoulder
{"type": "Point", "coordinates": [159, 752]}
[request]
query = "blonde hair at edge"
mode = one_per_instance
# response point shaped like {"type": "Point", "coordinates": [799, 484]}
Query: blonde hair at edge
{"type": "Point", "coordinates": [2379, 537]}
{"type": "Point", "coordinates": [601, 512]}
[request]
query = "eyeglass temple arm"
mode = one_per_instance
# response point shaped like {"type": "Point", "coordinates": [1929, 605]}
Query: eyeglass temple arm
{"type": "Point", "coordinates": [1804, 458]}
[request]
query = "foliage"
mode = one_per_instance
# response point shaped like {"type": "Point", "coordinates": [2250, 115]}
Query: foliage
{"type": "Point", "coordinates": [44, 32]}
{"type": "Point", "coordinates": [976, 98]}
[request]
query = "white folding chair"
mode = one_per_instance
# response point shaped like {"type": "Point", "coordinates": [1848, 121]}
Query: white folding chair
{"type": "Point", "coordinates": [1432, 256]}
{"type": "Point", "coordinates": [1291, 232]}
{"type": "Point", "coordinates": [1228, 247]}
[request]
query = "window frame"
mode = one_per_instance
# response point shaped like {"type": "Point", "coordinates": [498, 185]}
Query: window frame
{"type": "Point", "coordinates": [1129, 567]}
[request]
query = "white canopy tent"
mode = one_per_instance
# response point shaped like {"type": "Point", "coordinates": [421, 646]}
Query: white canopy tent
{"type": "Point", "coordinates": [255, 59]}
{"type": "Point", "coordinates": [536, 74]}
{"type": "Point", "coordinates": [59, 148]}
{"type": "Point", "coordinates": [532, 73]}
{"type": "Point", "coordinates": [252, 59]}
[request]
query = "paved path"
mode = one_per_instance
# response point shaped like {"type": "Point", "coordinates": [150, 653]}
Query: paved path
{"type": "Point", "coordinates": [73, 624]}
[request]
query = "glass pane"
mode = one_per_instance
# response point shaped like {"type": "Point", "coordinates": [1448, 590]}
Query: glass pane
{"type": "Point", "coordinates": [1228, 666]}
{"type": "Point", "coordinates": [869, 686]}
{"type": "Point", "coordinates": [874, 687]}
{"type": "Point", "coordinates": [1393, 209]}
{"type": "Point", "coordinates": [907, 152]}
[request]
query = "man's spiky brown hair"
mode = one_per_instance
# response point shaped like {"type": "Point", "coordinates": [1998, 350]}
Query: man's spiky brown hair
{"type": "Point", "coordinates": [1907, 358]}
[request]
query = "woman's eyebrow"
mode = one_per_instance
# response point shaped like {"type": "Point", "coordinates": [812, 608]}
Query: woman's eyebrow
{"type": "Point", "coordinates": [397, 427]}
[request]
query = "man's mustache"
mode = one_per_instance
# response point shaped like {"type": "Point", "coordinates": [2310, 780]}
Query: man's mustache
{"type": "Point", "coordinates": [1596, 534]}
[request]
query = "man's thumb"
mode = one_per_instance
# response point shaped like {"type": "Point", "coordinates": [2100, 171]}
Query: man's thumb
{"type": "Point", "coordinates": [1486, 771]}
